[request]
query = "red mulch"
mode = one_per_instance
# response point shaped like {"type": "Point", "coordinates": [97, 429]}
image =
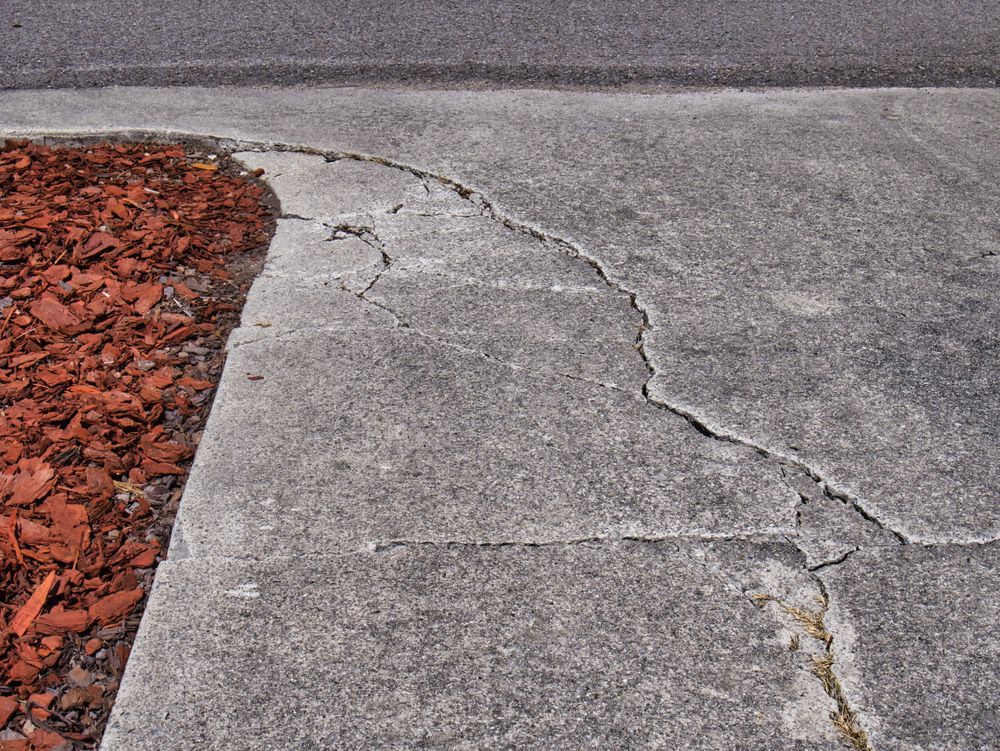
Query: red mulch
{"type": "Point", "coordinates": [117, 291]}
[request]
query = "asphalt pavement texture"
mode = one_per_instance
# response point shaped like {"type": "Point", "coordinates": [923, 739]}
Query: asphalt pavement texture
{"type": "Point", "coordinates": [519, 43]}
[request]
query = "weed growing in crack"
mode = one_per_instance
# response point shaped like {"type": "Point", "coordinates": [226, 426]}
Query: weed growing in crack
{"type": "Point", "coordinates": [844, 718]}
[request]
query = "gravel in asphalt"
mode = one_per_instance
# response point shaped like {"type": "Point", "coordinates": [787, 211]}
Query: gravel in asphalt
{"type": "Point", "coordinates": [511, 43]}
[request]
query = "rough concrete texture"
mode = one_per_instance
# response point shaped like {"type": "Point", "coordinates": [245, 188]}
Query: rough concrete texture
{"type": "Point", "coordinates": [819, 268]}
{"type": "Point", "coordinates": [920, 643]}
{"type": "Point", "coordinates": [566, 646]}
{"type": "Point", "coordinates": [763, 319]}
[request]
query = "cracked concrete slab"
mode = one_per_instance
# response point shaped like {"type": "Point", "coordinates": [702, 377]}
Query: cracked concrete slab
{"type": "Point", "coordinates": [814, 277]}
{"type": "Point", "coordinates": [918, 627]}
{"type": "Point", "coordinates": [824, 288]}
{"type": "Point", "coordinates": [302, 284]}
{"type": "Point", "coordinates": [355, 437]}
{"type": "Point", "coordinates": [475, 282]}
{"type": "Point", "coordinates": [568, 646]}
{"type": "Point", "coordinates": [302, 249]}
{"type": "Point", "coordinates": [562, 332]}
{"type": "Point", "coordinates": [828, 529]}
{"type": "Point", "coordinates": [479, 250]}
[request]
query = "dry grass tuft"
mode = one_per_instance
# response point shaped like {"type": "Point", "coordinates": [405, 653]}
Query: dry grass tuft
{"type": "Point", "coordinates": [847, 724]}
{"type": "Point", "coordinates": [844, 718]}
{"type": "Point", "coordinates": [129, 488]}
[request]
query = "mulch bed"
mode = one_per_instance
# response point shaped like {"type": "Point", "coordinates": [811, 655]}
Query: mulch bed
{"type": "Point", "coordinates": [122, 270]}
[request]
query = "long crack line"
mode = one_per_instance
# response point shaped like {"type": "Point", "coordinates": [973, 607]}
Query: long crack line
{"type": "Point", "coordinates": [811, 623]}
{"type": "Point", "coordinates": [576, 251]}
{"type": "Point", "coordinates": [591, 539]}
{"type": "Point", "coordinates": [491, 209]}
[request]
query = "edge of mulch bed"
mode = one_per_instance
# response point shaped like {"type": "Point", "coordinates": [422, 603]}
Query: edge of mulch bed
{"type": "Point", "coordinates": [87, 666]}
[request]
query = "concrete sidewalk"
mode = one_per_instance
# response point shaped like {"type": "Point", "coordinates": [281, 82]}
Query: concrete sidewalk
{"type": "Point", "coordinates": [589, 421]}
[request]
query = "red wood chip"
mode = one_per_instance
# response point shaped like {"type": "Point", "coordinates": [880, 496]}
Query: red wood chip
{"type": "Point", "coordinates": [29, 611]}
{"type": "Point", "coordinates": [115, 304]}
{"type": "Point", "coordinates": [116, 606]}
{"type": "Point", "coordinates": [145, 559]}
{"type": "Point", "coordinates": [40, 702]}
{"type": "Point", "coordinates": [7, 707]}
{"type": "Point", "coordinates": [32, 479]}
{"type": "Point", "coordinates": [52, 313]}
{"type": "Point", "coordinates": [60, 621]}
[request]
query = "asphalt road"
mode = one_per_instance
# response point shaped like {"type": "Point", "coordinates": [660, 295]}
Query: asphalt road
{"type": "Point", "coordinates": [510, 43]}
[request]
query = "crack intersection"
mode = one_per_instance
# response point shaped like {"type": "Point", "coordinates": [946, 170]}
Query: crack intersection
{"type": "Point", "coordinates": [488, 207]}
{"type": "Point", "coordinates": [574, 250]}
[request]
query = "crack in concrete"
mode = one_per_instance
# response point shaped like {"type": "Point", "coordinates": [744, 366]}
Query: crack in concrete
{"type": "Point", "coordinates": [574, 250]}
{"type": "Point", "coordinates": [367, 235]}
{"type": "Point", "coordinates": [812, 624]}
{"type": "Point", "coordinates": [370, 237]}
{"type": "Point", "coordinates": [804, 501]}
{"type": "Point", "coordinates": [512, 365]}
{"type": "Point", "coordinates": [834, 561]}
{"type": "Point", "coordinates": [595, 539]}
{"type": "Point", "coordinates": [844, 718]}
{"type": "Point", "coordinates": [489, 208]}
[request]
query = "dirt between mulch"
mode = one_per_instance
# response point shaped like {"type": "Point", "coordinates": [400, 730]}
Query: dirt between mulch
{"type": "Point", "coordinates": [123, 268]}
